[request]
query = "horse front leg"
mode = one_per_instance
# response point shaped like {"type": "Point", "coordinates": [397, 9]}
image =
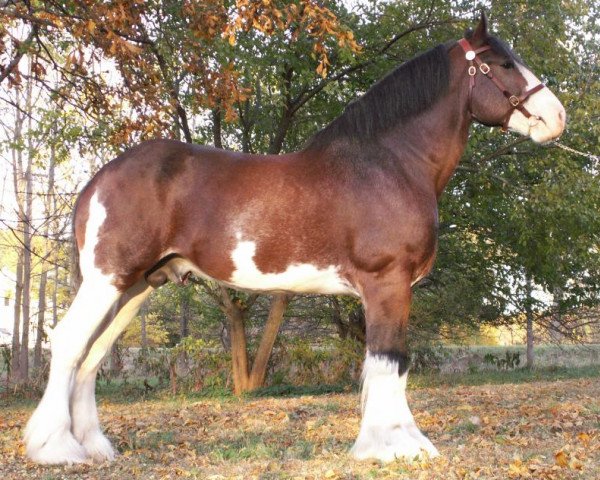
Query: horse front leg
{"type": "Point", "coordinates": [388, 429]}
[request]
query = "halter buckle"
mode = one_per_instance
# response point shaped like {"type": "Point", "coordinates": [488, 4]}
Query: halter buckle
{"type": "Point", "coordinates": [485, 68]}
{"type": "Point", "coordinates": [472, 70]}
{"type": "Point", "coordinates": [514, 101]}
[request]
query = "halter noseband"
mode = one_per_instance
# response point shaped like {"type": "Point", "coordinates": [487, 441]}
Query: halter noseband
{"type": "Point", "coordinates": [472, 55]}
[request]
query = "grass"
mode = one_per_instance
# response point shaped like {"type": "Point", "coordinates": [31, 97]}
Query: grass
{"type": "Point", "coordinates": [494, 377]}
{"type": "Point", "coordinates": [130, 391]}
{"type": "Point", "coordinates": [489, 425]}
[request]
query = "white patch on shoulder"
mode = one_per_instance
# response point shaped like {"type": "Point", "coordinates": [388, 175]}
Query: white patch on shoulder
{"type": "Point", "coordinates": [300, 277]}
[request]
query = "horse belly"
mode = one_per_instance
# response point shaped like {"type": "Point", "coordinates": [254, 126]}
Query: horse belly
{"type": "Point", "coordinates": [297, 277]}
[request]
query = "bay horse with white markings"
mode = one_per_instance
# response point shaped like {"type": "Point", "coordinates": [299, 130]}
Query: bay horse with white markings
{"type": "Point", "coordinates": [355, 212]}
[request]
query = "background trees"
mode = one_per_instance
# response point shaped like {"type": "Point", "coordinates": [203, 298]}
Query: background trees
{"type": "Point", "coordinates": [80, 81]}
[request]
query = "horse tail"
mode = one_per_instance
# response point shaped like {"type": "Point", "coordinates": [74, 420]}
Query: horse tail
{"type": "Point", "coordinates": [75, 269]}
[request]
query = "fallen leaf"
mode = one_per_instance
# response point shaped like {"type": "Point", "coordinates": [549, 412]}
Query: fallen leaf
{"type": "Point", "coordinates": [561, 458]}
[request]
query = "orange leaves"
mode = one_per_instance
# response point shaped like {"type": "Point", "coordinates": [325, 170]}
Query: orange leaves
{"type": "Point", "coordinates": [90, 26]}
{"type": "Point", "coordinates": [561, 458]}
{"type": "Point", "coordinates": [517, 469]}
{"type": "Point", "coordinates": [157, 64]}
{"type": "Point", "coordinates": [308, 18]}
{"type": "Point", "coordinates": [207, 19]}
{"type": "Point", "coordinates": [308, 437]}
{"type": "Point", "coordinates": [584, 438]}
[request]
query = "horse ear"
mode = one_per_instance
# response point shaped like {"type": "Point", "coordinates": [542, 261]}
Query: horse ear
{"type": "Point", "coordinates": [481, 32]}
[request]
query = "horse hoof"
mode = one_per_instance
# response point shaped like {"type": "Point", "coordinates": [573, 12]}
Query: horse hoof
{"type": "Point", "coordinates": [98, 447]}
{"type": "Point", "coordinates": [393, 444]}
{"type": "Point", "coordinates": [59, 448]}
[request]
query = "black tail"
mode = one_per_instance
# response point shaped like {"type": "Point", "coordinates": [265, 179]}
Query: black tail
{"type": "Point", "coordinates": [75, 271]}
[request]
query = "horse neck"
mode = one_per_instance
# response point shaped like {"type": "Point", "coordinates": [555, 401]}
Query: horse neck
{"type": "Point", "coordinates": [433, 142]}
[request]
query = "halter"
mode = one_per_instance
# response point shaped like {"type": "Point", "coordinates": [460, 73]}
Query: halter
{"type": "Point", "coordinates": [517, 103]}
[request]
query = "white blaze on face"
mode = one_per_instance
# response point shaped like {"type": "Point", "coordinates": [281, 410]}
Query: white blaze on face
{"type": "Point", "coordinates": [542, 104]}
{"type": "Point", "coordinates": [300, 277]}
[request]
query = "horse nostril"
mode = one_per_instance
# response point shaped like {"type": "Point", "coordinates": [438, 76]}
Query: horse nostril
{"type": "Point", "coordinates": [561, 115]}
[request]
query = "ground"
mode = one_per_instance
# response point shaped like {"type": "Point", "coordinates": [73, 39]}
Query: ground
{"type": "Point", "coordinates": [539, 430]}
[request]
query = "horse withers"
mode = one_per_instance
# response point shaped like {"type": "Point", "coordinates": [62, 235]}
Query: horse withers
{"type": "Point", "coordinates": [354, 212]}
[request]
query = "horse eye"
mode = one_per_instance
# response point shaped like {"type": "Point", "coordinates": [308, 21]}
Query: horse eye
{"type": "Point", "coordinates": [508, 65]}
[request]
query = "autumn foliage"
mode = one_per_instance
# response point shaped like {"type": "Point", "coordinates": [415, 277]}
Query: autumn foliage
{"type": "Point", "coordinates": [538, 431]}
{"type": "Point", "coordinates": [171, 59]}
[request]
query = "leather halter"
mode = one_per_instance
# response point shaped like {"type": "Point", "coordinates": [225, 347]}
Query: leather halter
{"type": "Point", "coordinates": [517, 102]}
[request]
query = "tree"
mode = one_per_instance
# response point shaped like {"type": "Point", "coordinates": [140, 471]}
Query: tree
{"type": "Point", "coordinates": [263, 76]}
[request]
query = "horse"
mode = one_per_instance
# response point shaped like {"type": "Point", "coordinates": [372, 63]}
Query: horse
{"type": "Point", "coordinates": [354, 212]}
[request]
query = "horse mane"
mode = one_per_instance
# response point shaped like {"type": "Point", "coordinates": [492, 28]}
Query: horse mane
{"type": "Point", "coordinates": [406, 91]}
{"type": "Point", "coordinates": [500, 46]}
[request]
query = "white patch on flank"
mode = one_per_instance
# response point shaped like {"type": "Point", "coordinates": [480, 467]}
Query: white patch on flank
{"type": "Point", "coordinates": [388, 429]}
{"type": "Point", "coordinates": [48, 436]}
{"type": "Point", "coordinates": [300, 277]}
{"type": "Point", "coordinates": [542, 104]}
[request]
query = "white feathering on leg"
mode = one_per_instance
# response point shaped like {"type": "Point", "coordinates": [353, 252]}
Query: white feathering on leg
{"type": "Point", "coordinates": [48, 437]}
{"type": "Point", "coordinates": [388, 429]}
{"type": "Point", "coordinates": [86, 426]}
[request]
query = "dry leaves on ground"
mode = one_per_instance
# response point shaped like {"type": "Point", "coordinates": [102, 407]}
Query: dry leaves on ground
{"type": "Point", "coordinates": [544, 430]}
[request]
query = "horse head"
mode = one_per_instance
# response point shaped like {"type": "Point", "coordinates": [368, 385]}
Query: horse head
{"type": "Point", "coordinates": [504, 92]}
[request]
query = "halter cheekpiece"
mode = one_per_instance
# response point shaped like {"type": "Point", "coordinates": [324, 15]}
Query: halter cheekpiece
{"type": "Point", "coordinates": [475, 64]}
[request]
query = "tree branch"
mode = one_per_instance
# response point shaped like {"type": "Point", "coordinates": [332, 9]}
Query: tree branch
{"type": "Point", "coordinates": [21, 49]}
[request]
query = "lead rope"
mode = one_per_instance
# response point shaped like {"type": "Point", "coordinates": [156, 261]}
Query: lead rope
{"type": "Point", "coordinates": [591, 156]}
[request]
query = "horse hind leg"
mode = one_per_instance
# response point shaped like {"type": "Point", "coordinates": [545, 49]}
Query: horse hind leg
{"type": "Point", "coordinates": [48, 438]}
{"type": "Point", "coordinates": [85, 423]}
{"type": "Point", "coordinates": [388, 429]}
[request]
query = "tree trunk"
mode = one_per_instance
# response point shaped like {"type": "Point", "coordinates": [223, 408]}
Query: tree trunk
{"type": "Point", "coordinates": [529, 316]}
{"type": "Point", "coordinates": [16, 338]}
{"type": "Point", "coordinates": [184, 317]}
{"type": "Point", "coordinates": [55, 293]}
{"type": "Point", "coordinates": [27, 224]}
{"type": "Point", "coordinates": [336, 318]}
{"type": "Point", "coordinates": [143, 332]}
{"type": "Point", "coordinates": [115, 363]}
{"type": "Point", "coordinates": [556, 324]}
{"type": "Point", "coordinates": [217, 134]}
{"type": "Point", "coordinates": [287, 114]}
{"type": "Point", "coordinates": [17, 171]}
{"type": "Point", "coordinates": [239, 348]}
{"type": "Point", "coordinates": [37, 352]}
{"type": "Point", "coordinates": [530, 356]}
{"type": "Point", "coordinates": [357, 324]}
{"type": "Point", "coordinates": [259, 368]}
{"type": "Point", "coordinates": [37, 355]}
{"type": "Point", "coordinates": [24, 354]}
{"type": "Point", "coordinates": [55, 257]}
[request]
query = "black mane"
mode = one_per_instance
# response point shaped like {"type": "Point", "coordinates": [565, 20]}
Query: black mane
{"type": "Point", "coordinates": [404, 92]}
{"type": "Point", "coordinates": [501, 47]}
